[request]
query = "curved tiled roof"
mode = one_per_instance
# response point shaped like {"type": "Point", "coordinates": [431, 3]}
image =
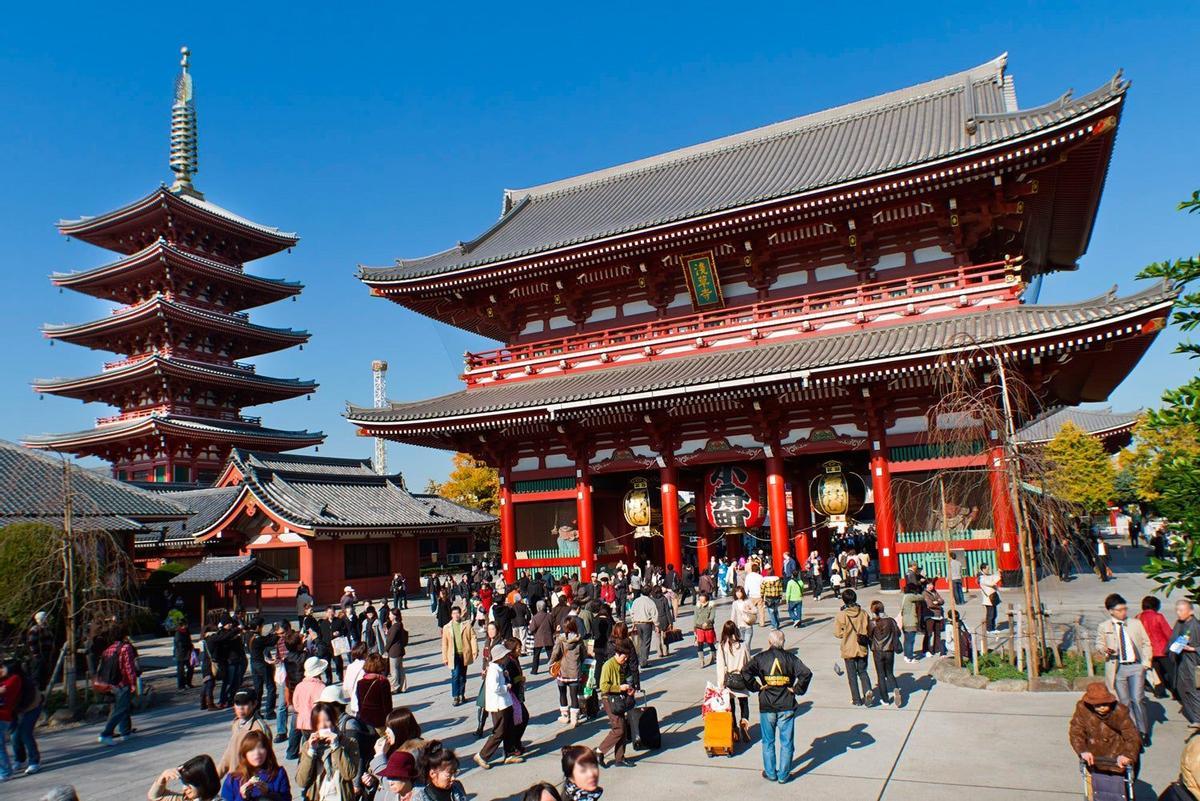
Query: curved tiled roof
{"type": "Point", "coordinates": [162, 365]}
{"type": "Point", "coordinates": [957, 114]}
{"type": "Point", "coordinates": [782, 361]}
{"type": "Point", "coordinates": [208, 505]}
{"type": "Point", "coordinates": [1095, 421]}
{"type": "Point", "coordinates": [217, 430]}
{"type": "Point", "coordinates": [159, 305]}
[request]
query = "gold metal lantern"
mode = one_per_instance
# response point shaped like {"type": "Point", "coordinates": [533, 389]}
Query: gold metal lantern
{"type": "Point", "coordinates": [642, 508]}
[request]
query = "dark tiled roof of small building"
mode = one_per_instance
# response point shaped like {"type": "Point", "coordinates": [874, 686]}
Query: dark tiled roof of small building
{"type": "Point", "coordinates": [298, 463]}
{"type": "Point", "coordinates": [33, 488]}
{"type": "Point", "coordinates": [1095, 421]}
{"type": "Point", "coordinates": [819, 351]}
{"type": "Point", "coordinates": [946, 117]}
{"type": "Point", "coordinates": [208, 504]}
{"type": "Point", "coordinates": [225, 568]}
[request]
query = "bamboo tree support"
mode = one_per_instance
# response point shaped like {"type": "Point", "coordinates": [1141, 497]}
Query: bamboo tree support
{"type": "Point", "coordinates": [953, 603]}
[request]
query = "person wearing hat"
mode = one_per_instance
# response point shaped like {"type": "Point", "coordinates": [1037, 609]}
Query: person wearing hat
{"type": "Point", "coordinates": [307, 693]}
{"type": "Point", "coordinates": [1101, 729]}
{"type": "Point", "coordinates": [245, 720]}
{"type": "Point", "coordinates": [498, 702]}
{"type": "Point", "coordinates": [396, 776]}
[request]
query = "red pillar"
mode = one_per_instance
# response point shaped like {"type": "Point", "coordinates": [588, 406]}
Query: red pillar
{"type": "Point", "coordinates": [885, 516]}
{"type": "Point", "coordinates": [1004, 522]}
{"type": "Point", "coordinates": [672, 548]}
{"type": "Point", "coordinates": [583, 518]}
{"type": "Point", "coordinates": [703, 534]}
{"type": "Point", "coordinates": [508, 530]}
{"type": "Point", "coordinates": [801, 518]}
{"type": "Point", "coordinates": [777, 510]}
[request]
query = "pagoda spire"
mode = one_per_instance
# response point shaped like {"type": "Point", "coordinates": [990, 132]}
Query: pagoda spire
{"type": "Point", "coordinates": [184, 161]}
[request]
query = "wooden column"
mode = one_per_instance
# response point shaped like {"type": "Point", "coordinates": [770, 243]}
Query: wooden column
{"type": "Point", "coordinates": [801, 517]}
{"type": "Point", "coordinates": [583, 518]}
{"type": "Point", "coordinates": [777, 510]}
{"type": "Point", "coordinates": [1004, 522]}
{"type": "Point", "coordinates": [672, 547]}
{"type": "Point", "coordinates": [881, 489]}
{"type": "Point", "coordinates": [508, 528]}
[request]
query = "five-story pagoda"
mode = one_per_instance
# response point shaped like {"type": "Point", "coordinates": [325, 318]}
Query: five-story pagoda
{"type": "Point", "coordinates": [181, 329]}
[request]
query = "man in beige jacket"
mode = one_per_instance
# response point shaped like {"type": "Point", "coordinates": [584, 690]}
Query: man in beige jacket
{"type": "Point", "coordinates": [851, 627]}
{"type": "Point", "coordinates": [459, 649]}
{"type": "Point", "coordinates": [1127, 649]}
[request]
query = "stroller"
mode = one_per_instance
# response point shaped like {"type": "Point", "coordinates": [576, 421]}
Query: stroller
{"type": "Point", "coordinates": [1105, 781]}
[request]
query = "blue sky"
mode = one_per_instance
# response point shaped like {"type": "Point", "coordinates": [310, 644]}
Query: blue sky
{"type": "Point", "coordinates": [378, 132]}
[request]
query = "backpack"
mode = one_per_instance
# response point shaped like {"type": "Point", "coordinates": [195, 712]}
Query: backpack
{"type": "Point", "coordinates": [108, 673]}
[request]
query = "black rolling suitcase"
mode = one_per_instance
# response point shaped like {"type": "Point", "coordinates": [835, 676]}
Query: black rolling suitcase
{"type": "Point", "coordinates": [643, 728]}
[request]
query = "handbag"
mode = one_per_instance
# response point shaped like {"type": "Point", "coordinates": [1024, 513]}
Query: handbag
{"type": "Point", "coordinates": [736, 680]}
{"type": "Point", "coordinates": [672, 635]}
{"type": "Point", "coordinates": [620, 703]}
{"type": "Point", "coordinates": [994, 598]}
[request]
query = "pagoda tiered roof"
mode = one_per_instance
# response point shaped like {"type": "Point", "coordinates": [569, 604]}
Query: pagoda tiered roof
{"type": "Point", "coordinates": [1122, 325]}
{"type": "Point", "coordinates": [160, 320]}
{"type": "Point", "coordinates": [182, 217]}
{"type": "Point", "coordinates": [132, 427]}
{"type": "Point", "coordinates": [152, 371]}
{"type": "Point", "coordinates": [163, 267]}
{"type": "Point", "coordinates": [902, 140]}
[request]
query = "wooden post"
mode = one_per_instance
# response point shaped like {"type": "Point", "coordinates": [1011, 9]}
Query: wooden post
{"type": "Point", "coordinates": [777, 510]}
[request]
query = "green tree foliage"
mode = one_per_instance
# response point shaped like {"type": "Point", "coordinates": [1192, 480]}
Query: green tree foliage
{"type": "Point", "coordinates": [1171, 469]}
{"type": "Point", "coordinates": [471, 483]}
{"type": "Point", "coordinates": [30, 570]}
{"type": "Point", "coordinates": [1079, 471]}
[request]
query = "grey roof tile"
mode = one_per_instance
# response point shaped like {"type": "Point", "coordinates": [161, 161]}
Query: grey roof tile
{"type": "Point", "coordinates": [808, 353]}
{"type": "Point", "coordinates": [1095, 421]}
{"type": "Point", "coordinates": [905, 128]}
{"type": "Point", "coordinates": [208, 505]}
{"type": "Point", "coordinates": [225, 568]}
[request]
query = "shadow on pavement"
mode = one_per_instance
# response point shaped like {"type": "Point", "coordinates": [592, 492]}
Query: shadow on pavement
{"type": "Point", "coordinates": [831, 746]}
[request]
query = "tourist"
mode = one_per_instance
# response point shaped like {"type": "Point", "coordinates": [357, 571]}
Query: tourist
{"type": "Point", "coordinates": [779, 676]}
{"type": "Point", "coordinates": [118, 669]}
{"type": "Point", "coordinates": [373, 693]}
{"type": "Point", "coordinates": [394, 647]}
{"type": "Point", "coordinates": [521, 616]}
{"type": "Point", "coordinates": [933, 620]}
{"type": "Point", "coordinates": [617, 694]}
{"type": "Point", "coordinates": [1187, 660]}
{"type": "Point", "coordinates": [329, 764]}
{"type": "Point", "coordinates": [209, 669]}
{"type": "Point", "coordinates": [772, 593]}
{"type": "Point", "coordinates": [10, 699]}
{"type": "Point", "coordinates": [371, 631]}
{"type": "Point", "coordinates": [666, 618]}
{"type": "Point", "coordinates": [399, 592]}
{"type": "Point", "coordinates": [491, 639]}
{"type": "Point", "coordinates": [1159, 631]}
{"type": "Point", "coordinates": [183, 653]}
{"type": "Point", "coordinates": [793, 594]}
{"type": "Point", "coordinates": [256, 773]}
{"type": "Point", "coordinates": [293, 674]}
{"type": "Point", "coordinates": [643, 614]}
{"type": "Point", "coordinates": [245, 720]}
{"type": "Point", "coordinates": [60, 792]}
{"type": "Point", "coordinates": [884, 636]}
{"type": "Point", "coordinates": [732, 657]}
{"type": "Point", "coordinates": [1102, 559]}
{"type": "Point", "coordinates": [396, 774]}
{"type": "Point", "coordinates": [498, 702]}
{"type": "Point", "coordinates": [989, 596]}
{"type": "Point", "coordinates": [438, 767]}
{"type": "Point", "coordinates": [354, 672]}
{"type": "Point", "coordinates": [402, 734]}
{"type": "Point", "coordinates": [633, 669]}
{"type": "Point", "coordinates": [1101, 729]}
{"type": "Point", "coordinates": [458, 651]}
{"type": "Point", "coordinates": [542, 791]}
{"type": "Point", "coordinates": [816, 575]}
{"type": "Point", "coordinates": [744, 615]}
{"type": "Point", "coordinates": [1187, 786]}
{"type": "Point", "coordinates": [581, 774]}
{"type": "Point", "coordinates": [442, 606]}
{"type": "Point", "coordinates": [304, 698]}
{"type": "Point", "coordinates": [566, 663]}
{"type": "Point", "coordinates": [704, 623]}
{"type": "Point", "coordinates": [851, 626]}
{"type": "Point", "coordinates": [230, 650]}
{"type": "Point", "coordinates": [752, 584]}
{"type": "Point", "coordinates": [956, 582]}
{"type": "Point", "coordinates": [541, 632]}
{"type": "Point", "coordinates": [1129, 654]}
{"type": "Point", "coordinates": [26, 707]}
{"type": "Point", "coordinates": [199, 779]}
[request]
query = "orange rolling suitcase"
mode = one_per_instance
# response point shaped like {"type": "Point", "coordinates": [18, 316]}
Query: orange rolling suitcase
{"type": "Point", "coordinates": [718, 733]}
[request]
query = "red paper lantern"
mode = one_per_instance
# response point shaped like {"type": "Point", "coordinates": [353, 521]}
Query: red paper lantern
{"type": "Point", "coordinates": [734, 496]}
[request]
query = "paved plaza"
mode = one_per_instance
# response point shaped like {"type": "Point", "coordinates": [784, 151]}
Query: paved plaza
{"type": "Point", "coordinates": [947, 742]}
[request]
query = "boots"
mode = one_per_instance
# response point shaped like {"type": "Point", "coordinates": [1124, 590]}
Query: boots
{"type": "Point", "coordinates": [562, 714]}
{"type": "Point", "coordinates": [573, 720]}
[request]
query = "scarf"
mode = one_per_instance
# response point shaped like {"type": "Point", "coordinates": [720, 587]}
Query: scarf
{"type": "Point", "coordinates": [575, 794]}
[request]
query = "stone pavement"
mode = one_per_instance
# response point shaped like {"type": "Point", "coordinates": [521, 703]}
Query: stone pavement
{"type": "Point", "coordinates": [946, 743]}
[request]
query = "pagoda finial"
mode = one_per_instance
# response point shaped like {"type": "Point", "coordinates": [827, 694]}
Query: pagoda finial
{"type": "Point", "coordinates": [184, 162]}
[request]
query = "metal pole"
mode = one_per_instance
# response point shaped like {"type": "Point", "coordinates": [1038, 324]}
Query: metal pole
{"type": "Point", "coordinates": [946, 542]}
{"type": "Point", "coordinates": [1012, 467]}
{"type": "Point", "coordinates": [68, 557]}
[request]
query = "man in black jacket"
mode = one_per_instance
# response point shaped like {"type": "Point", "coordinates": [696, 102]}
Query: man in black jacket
{"type": "Point", "coordinates": [779, 676]}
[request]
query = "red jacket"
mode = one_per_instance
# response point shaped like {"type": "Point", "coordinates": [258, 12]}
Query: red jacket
{"type": "Point", "coordinates": [1158, 628]}
{"type": "Point", "coordinates": [10, 697]}
{"type": "Point", "coordinates": [374, 699]}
